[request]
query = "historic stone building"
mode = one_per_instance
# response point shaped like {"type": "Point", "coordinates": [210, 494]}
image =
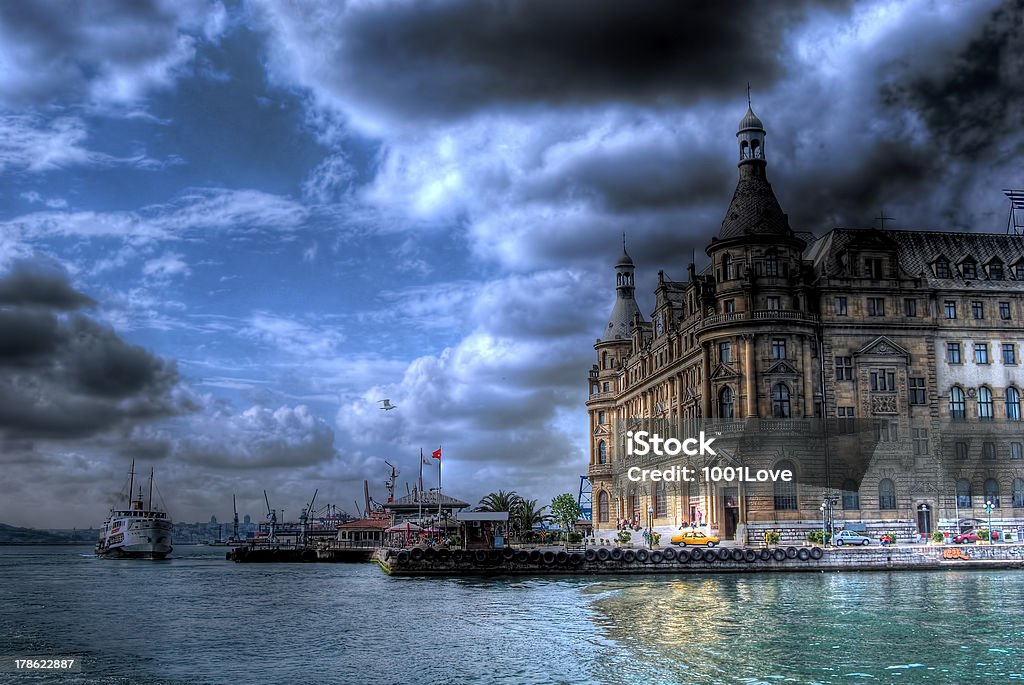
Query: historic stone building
{"type": "Point", "coordinates": [881, 366]}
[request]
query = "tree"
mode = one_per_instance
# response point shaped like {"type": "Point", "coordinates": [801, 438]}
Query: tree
{"type": "Point", "coordinates": [565, 511]}
{"type": "Point", "coordinates": [500, 501]}
{"type": "Point", "coordinates": [527, 515]}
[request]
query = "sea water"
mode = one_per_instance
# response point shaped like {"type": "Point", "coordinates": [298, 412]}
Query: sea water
{"type": "Point", "coordinates": [201, 619]}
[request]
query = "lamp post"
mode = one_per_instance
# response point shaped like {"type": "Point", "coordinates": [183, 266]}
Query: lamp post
{"type": "Point", "coordinates": [823, 524]}
{"type": "Point", "coordinates": [988, 508]}
{"type": "Point", "coordinates": [650, 526]}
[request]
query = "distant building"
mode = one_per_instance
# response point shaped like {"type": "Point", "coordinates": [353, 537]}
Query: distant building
{"type": "Point", "coordinates": [906, 344]}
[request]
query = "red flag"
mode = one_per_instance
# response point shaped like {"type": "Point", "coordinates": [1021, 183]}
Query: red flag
{"type": "Point", "coordinates": [437, 454]}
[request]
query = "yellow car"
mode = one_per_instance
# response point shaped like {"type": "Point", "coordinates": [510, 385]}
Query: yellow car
{"type": "Point", "coordinates": [694, 537]}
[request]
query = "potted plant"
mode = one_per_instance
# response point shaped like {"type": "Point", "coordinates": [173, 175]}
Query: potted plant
{"type": "Point", "coordinates": [937, 538]}
{"type": "Point", "coordinates": [624, 537]}
{"type": "Point", "coordinates": [655, 539]}
{"type": "Point", "coordinates": [772, 537]}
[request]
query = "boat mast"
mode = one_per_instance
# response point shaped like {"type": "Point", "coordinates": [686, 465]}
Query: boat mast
{"type": "Point", "coordinates": [234, 530]}
{"type": "Point", "coordinates": [131, 483]}
{"type": "Point", "coordinates": [150, 507]}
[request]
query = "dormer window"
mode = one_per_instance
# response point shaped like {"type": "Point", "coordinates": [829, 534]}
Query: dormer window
{"type": "Point", "coordinates": [969, 269]}
{"type": "Point", "coordinates": [1018, 271]}
{"type": "Point", "coordinates": [941, 268]}
{"type": "Point", "coordinates": [995, 270]}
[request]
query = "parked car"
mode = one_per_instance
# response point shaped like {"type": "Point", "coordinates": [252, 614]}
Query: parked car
{"type": "Point", "coordinates": [973, 536]}
{"type": "Point", "coordinates": [851, 537]}
{"type": "Point", "coordinates": [694, 537]}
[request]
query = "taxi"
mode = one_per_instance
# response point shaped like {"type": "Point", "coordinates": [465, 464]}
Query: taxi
{"type": "Point", "coordinates": [695, 538]}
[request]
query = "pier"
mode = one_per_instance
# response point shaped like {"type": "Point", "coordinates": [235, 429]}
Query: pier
{"type": "Point", "coordinates": [431, 561]}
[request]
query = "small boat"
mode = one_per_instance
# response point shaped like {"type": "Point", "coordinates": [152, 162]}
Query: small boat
{"type": "Point", "coordinates": [138, 532]}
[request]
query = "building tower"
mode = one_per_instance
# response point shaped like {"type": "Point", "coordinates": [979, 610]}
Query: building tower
{"type": "Point", "coordinates": [613, 347]}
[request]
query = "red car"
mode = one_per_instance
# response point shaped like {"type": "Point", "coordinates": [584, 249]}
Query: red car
{"type": "Point", "coordinates": [973, 536]}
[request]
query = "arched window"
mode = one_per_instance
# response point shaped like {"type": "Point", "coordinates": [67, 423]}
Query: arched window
{"type": "Point", "coordinates": [755, 148]}
{"type": "Point", "coordinates": [780, 401]}
{"type": "Point", "coordinates": [1018, 493]}
{"type": "Point", "coordinates": [851, 497]}
{"type": "Point", "coordinates": [957, 406]}
{"type": "Point", "coordinates": [602, 506]}
{"type": "Point", "coordinates": [886, 494]}
{"type": "Point", "coordinates": [634, 504]}
{"type": "Point", "coordinates": [992, 492]}
{"type": "Point", "coordinates": [963, 494]}
{"type": "Point", "coordinates": [660, 500]}
{"type": "Point", "coordinates": [1013, 404]}
{"type": "Point", "coordinates": [744, 150]}
{"type": "Point", "coordinates": [725, 403]}
{"type": "Point", "coordinates": [985, 409]}
{"type": "Point", "coordinates": [727, 266]}
{"type": "Point", "coordinates": [785, 493]}
{"type": "Point", "coordinates": [602, 452]}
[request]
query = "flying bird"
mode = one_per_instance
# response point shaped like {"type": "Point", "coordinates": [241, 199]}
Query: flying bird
{"type": "Point", "coordinates": [386, 404]}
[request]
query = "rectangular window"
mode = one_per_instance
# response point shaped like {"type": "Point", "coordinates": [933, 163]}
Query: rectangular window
{"type": "Point", "coordinates": [771, 265]}
{"type": "Point", "coordinates": [876, 306]}
{"type": "Point", "coordinates": [844, 368]}
{"type": "Point", "coordinates": [886, 431]}
{"type": "Point", "coordinates": [730, 306]}
{"type": "Point", "coordinates": [942, 269]}
{"type": "Point", "coordinates": [920, 441]}
{"type": "Point", "coordinates": [917, 391]}
{"type": "Point", "coordinates": [873, 267]}
{"type": "Point", "coordinates": [883, 380]}
{"type": "Point", "coordinates": [977, 309]}
{"type": "Point", "coordinates": [724, 352]}
{"type": "Point", "coordinates": [1016, 451]}
{"type": "Point", "coordinates": [1018, 271]}
{"type": "Point", "coordinates": [1009, 353]}
{"type": "Point", "coordinates": [950, 309]}
{"type": "Point", "coordinates": [981, 353]}
{"type": "Point", "coordinates": [778, 348]}
{"type": "Point", "coordinates": [995, 271]}
{"type": "Point", "coordinates": [845, 415]}
{"type": "Point", "coordinates": [910, 307]}
{"type": "Point", "coordinates": [988, 450]}
{"type": "Point", "coordinates": [774, 302]}
{"type": "Point", "coordinates": [960, 449]}
{"type": "Point", "coordinates": [600, 418]}
{"type": "Point", "coordinates": [953, 352]}
{"type": "Point", "coordinates": [1004, 311]}
{"type": "Point", "coordinates": [840, 306]}
{"type": "Point", "coordinates": [969, 269]}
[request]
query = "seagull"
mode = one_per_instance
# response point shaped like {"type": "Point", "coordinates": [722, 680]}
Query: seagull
{"type": "Point", "coordinates": [386, 404]}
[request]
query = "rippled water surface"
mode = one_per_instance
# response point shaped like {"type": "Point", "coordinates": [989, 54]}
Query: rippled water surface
{"type": "Point", "coordinates": [201, 619]}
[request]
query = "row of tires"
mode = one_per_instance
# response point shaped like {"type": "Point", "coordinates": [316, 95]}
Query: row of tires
{"type": "Point", "coordinates": [603, 554]}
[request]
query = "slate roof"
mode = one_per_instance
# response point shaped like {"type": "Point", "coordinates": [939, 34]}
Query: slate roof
{"type": "Point", "coordinates": [754, 210]}
{"type": "Point", "coordinates": [917, 252]}
{"type": "Point", "coordinates": [429, 499]}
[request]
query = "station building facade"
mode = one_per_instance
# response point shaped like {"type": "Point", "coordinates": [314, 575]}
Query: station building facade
{"type": "Point", "coordinates": [883, 366]}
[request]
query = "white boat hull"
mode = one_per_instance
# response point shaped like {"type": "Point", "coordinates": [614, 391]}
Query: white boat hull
{"type": "Point", "coordinates": [137, 539]}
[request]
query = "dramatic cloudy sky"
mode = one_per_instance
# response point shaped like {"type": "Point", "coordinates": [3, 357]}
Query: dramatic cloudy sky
{"type": "Point", "coordinates": [228, 229]}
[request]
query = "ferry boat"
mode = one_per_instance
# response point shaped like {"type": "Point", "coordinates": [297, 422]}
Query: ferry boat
{"type": "Point", "coordinates": [138, 532]}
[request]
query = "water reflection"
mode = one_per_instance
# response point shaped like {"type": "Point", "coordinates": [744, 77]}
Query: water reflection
{"type": "Point", "coordinates": [815, 628]}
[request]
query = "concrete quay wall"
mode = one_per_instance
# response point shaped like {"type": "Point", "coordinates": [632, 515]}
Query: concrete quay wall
{"type": "Point", "coordinates": [616, 560]}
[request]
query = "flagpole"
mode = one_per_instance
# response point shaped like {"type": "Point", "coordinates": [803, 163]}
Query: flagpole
{"type": "Point", "coordinates": [439, 487]}
{"type": "Point", "coordinates": [419, 491]}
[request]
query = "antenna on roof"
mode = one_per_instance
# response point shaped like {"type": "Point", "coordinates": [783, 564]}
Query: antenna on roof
{"type": "Point", "coordinates": [882, 218]}
{"type": "Point", "coordinates": [748, 93]}
{"type": "Point", "coordinates": [1015, 221]}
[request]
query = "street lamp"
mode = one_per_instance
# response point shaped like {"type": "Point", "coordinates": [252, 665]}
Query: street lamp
{"type": "Point", "coordinates": [988, 508]}
{"type": "Point", "coordinates": [650, 526]}
{"type": "Point", "coordinates": [822, 507]}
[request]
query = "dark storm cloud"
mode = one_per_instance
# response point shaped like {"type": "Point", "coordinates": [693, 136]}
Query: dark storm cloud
{"type": "Point", "coordinates": [28, 285]}
{"type": "Point", "coordinates": [63, 375]}
{"type": "Point", "coordinates": [446, 59]}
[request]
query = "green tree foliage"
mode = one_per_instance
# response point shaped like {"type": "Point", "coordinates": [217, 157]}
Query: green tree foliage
{"type": "Point", "coordinates": [565, 511]}
{"type": "Point", "coordinates": [527, 515]}
{"type": "Point", "coordinates": [500, 501]}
